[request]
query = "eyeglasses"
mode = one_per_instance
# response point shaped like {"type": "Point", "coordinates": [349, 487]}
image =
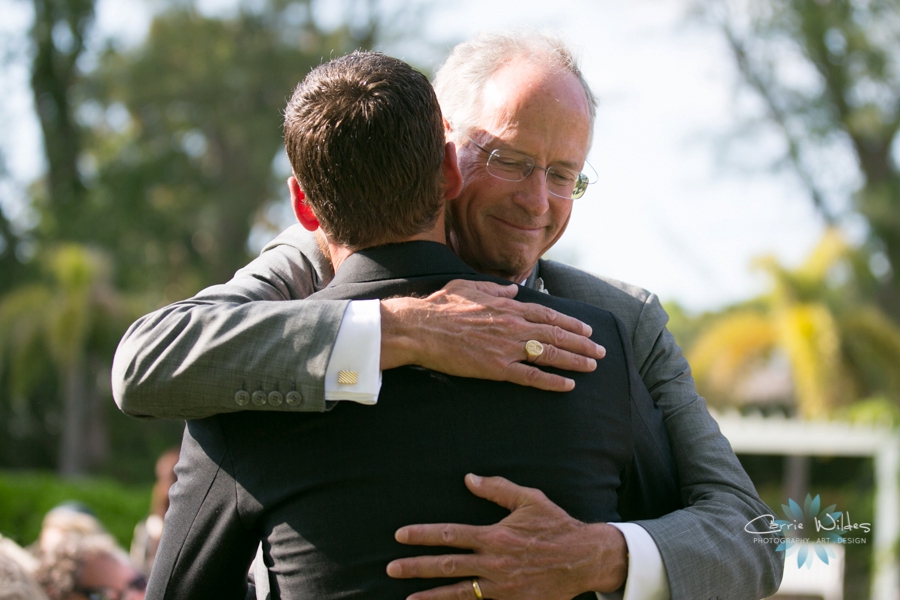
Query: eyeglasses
{"type": "Point", "coordinates": [138, 584]}
{"type": "Point", "coordinates": [510, 165]}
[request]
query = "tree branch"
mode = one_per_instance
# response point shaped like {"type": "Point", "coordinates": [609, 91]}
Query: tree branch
{"type": "Point", "coordinates": [779, 117]}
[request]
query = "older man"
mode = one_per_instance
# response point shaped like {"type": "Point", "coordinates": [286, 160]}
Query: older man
{"type": "Point", "coordinates": [521, 115]}
{"type": "Point", "coordinates": [326, 525]}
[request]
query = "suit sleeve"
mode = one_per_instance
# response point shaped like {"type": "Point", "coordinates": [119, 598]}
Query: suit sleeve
{"type": "Point", "coordinates": [206, 549]}
{"type": "Point", "coordinates": [250, 344]}
{"type": "Point", "coordinates": [704, 548]}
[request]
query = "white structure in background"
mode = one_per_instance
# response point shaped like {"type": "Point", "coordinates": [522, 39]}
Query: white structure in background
{"type": "Point", "coordinates": [778, 435]}
{"type": "Point", "coordinates": [819, 579]}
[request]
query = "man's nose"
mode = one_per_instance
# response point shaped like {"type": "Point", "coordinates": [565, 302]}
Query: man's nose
{"type": "Point", "coordinates": [532, 194]}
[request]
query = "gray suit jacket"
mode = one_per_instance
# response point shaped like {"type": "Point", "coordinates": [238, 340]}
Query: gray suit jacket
{"type": "Point", "coordinates": [193, 358]}
{"type": "Point", "coordinates": [704, 547]}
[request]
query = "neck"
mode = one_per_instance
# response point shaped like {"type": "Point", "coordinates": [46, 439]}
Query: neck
{"type": "Point", "coordinates": [517, 278]}
{"type": "Point", "coordinates": [339, 253]}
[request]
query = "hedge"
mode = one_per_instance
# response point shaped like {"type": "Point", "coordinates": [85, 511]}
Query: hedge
{"type": "Point", "coordinates": [26, 496]}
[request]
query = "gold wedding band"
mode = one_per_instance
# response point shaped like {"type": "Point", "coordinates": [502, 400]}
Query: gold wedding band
{"type": "Point", "coordinates": [533, 349]}
{"type": "Point", "coordinates": [477, 589]}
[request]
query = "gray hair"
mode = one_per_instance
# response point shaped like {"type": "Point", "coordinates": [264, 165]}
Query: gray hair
{"type": "Point", "coordinates": [59, 566]}
{"type": "Point", "coordinates": [459, 83]}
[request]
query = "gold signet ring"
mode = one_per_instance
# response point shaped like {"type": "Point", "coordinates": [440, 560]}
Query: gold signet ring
{"type": "Point", "coordinates": [533, 349]}
{"type": "Point", "coordinates": [477, 589]}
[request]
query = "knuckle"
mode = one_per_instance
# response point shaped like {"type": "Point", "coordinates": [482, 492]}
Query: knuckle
{"type": "Point", "coordinates": [558, 335]}
{"type": "Point", "coordinates": [533, 376]}
{"type": "Point", "coordinates": [494, 304]}
{"type": "Point", "coordinates": [549, 315]}
{"type": "Point", "coordinates": [501, 537]}
{"type": "Point", "coordinates": [464, 591]}
{"type": "Point", "coordinates": [449, 534]}
{"type": "Point", "coordinates": [536, 494]}
{"type": "Point", "coordinates": [504, 321]}
{"type": "Point", "coordinates": [497, 564]}
{"type": "Point", "coordinates": [550, 354]}
{"type": "Point", "coordinates": [585, 363]}
{"type": "Point", "coordinates": [447, 565]}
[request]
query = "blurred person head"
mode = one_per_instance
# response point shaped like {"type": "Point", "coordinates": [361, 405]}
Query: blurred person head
{"type": "Point", "coordinates": [365, 139]}
{"type": "Point", "coordinates": [16, 568]}
{"type": "Point", "coordinates": [69, 518]}
{"type": "Point", "coordinates": [165, 477]}
{"type": "Point", "coordinates": [89, 567]}
{"type": "Point", "coordinates": [521, 115]}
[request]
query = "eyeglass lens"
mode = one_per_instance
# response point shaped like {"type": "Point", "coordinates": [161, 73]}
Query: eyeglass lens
{"type": "Point", "coordinates": [512, 166]}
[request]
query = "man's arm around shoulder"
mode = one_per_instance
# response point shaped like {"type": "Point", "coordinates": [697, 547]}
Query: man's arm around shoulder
{"type": "Point", "coordinates": [704, 547]}
{"type": "Point", "coordinates": [218, 351]}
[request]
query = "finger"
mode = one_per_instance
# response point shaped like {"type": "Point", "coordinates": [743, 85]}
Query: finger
{"type": "Point", "coordinates": [526, 375]}
{"type": "Point", "coordinates": [566, 340]}
{"type": "Point", "coordinates": [461, 590]}
{"type": "Point", "coordinates": [547, 316]}
{"type": "Point", "coordinates": [439, 534]}
{"type": "Point", "coordinates": [429, 567]}
{"type": "Point", "coordinates": [534, 313]}
{"type": "Point", "coordinates": [485, 287]}
{"type": "Point", "coordinates": [563, 359]}
{"type": "Point", "coordinates": [502, 491]}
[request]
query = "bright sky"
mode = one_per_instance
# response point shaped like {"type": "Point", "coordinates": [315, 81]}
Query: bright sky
{"type": "Point", "coordinates": [666, 214]}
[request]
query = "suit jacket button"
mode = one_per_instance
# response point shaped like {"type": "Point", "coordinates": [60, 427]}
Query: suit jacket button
{"type": "Point", "coordinates": [242, 397]}
{"type": "Point", "coordinates": [259, 397]}
{"type": "Point", "coordinates": [293, 398]}
{"type": "Point", "coordinates": [275, 398]}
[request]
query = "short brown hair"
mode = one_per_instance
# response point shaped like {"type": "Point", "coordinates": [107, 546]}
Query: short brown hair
{"type": "Point", "coordinates": [365, 139]}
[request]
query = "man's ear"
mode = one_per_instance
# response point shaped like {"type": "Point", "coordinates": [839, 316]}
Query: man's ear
{"type": "Point", "coordinates": [450, 168]}
{"type": "Point", "coordinates": [302, 210]}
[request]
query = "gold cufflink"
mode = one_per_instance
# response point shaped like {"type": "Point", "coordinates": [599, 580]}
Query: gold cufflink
{"type": "Point", "coordinates": [347, 377]}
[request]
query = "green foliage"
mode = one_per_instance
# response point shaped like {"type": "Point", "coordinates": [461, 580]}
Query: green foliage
{"type": "Point", "coordinates": [827, 73]}
{"type": "Point", "coordinates": [686, 327]}
{"type": "Point", "coordinates": [877, 410]}
{"type": "Point", "coordinates": [185, 139]}
{"type": "Point", "coordinates": [67, 324]}
{"type": "Point", "coordinates": [25, 497]}
{"type": "Point", "coordinates": [840, 347]}
{"type": "Point", "coordinates": [160, 160]}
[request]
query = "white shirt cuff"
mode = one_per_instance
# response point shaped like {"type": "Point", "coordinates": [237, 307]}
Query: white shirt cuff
{"type": "Point", "coordinates": [357, 349]}
{"type": "Point", "coordinates": [646, 578]}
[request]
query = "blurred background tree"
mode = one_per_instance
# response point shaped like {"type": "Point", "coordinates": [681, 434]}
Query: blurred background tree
{"type": "Point", "coordinates": [63, 327]}
{"type": "Point", "coordinates": [824, 75]}
{"type": "Point", "coordinates": [162, 160]}
{"type": "Point", "coordinates": [839, 346]}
